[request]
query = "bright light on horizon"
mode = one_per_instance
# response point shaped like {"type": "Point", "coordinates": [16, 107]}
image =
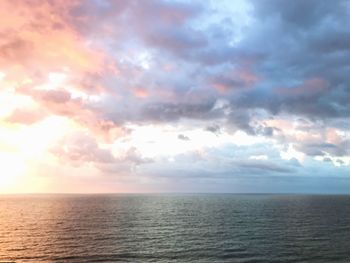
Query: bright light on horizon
{"type": "Point", "coordinates": [162, 95]}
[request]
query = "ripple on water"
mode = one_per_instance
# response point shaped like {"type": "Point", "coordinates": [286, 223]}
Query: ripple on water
{"type": "Point", "coordinates": [174, 228]}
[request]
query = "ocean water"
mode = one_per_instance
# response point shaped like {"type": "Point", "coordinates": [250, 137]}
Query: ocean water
{"type": "Point", "coordinates": [174, 228]}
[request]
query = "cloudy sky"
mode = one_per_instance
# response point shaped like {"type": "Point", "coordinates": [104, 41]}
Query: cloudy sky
{"type": "Point", "coordinates": [175, 96]}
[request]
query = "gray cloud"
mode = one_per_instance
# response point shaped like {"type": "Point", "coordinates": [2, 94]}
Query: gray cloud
{"type": "Point", "coordinates": [214, 129]}
{"type": "Point", "coordinates": [256, 166]}
{"type": "Point", "coordinates": [321, 149]}
{"type": "Point", "coordinates": [80, 148]}
{"type": "Point", "coordinates": [183, 137]}
{"type": "Point", "coordinates": [174, 111]}
{"type": "Point", "coordinates": [314, 36]}
{"type": "Point", "coordinates": [255, 73]}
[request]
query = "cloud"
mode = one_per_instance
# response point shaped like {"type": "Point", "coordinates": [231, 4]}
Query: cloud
{"type": "Point", "coordinates": [25, 116]}
{"type": "Point", "coordinates": [183, 137]}
{"type": "Point", "coordinates": [321, 149]}
{"type": "Point", "coordinates": [303, 63]}
{"type": "Point", "coordinates": [39, 37]}
{"type": "Point", "coordinates": [79, 149]}
{"type": "Point", "coordinates": [168, 112]}
{"type": "Point", "coordinates": [248, 72]}
{"type": "Point", "coordinates": [265, 166]}
{"type": "Point", "coordinates": [214, 129]}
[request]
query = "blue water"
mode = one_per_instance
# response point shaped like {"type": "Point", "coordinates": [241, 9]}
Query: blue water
{"type": "Point", "coordinates": [174, 228]}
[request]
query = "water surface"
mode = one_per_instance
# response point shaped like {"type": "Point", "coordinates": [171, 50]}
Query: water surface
{"type": "Point", "coordinates": [174, 228]}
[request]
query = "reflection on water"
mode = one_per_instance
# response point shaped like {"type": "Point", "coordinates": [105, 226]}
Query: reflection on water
{"type": "Point", "coordinates": [174, 228]}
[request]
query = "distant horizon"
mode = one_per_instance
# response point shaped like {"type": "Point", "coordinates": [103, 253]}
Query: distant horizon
{"type": "Point", "coordinates": [178, 193]}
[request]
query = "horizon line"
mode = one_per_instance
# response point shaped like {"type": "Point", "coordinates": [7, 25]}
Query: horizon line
{"type": "Point", "coordinates": [176, 193]}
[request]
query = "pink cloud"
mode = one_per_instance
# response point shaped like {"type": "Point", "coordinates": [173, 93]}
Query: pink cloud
{"type": "Point", "coordinates": [243, 77]}
{"type": "Point", "coordinates": [140, 92]}
{"type": "Point", "coordinates": [26, 116]}
{"type": "Point", "coordinates": [309, 87]}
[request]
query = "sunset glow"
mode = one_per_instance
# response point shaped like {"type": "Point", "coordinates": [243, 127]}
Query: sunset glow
{"type": "Point", "coordinates": [132, 96]}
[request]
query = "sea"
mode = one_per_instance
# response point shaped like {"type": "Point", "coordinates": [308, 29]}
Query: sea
{"type": "Point", "coordinates": [175, 228]}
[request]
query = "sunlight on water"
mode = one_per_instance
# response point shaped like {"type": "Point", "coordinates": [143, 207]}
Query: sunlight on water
{"type": "Point", "coordinates": [174, 228]}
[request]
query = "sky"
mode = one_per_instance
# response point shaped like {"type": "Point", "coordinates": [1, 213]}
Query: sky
{"type": "Point", "coordinates": [236, 96]}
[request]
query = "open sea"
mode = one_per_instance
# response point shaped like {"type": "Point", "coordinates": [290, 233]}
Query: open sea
{"type": "Point", "coordinates": [174, 228]}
